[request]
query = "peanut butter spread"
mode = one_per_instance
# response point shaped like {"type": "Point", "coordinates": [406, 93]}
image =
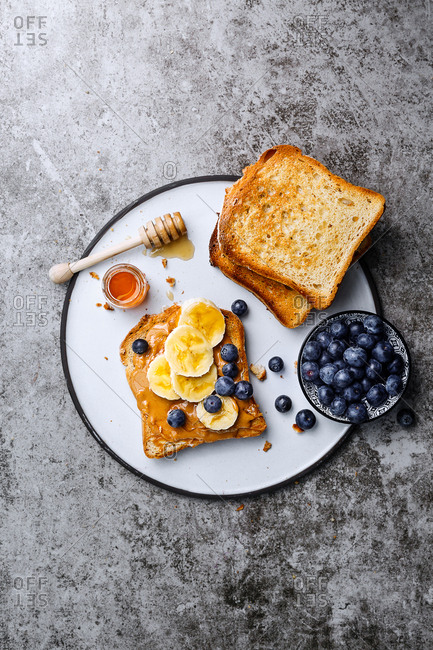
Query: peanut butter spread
{"type": "Point", "coordinates": [154, 409]}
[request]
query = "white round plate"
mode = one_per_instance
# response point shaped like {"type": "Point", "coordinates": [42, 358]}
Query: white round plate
{"type": "Point", "coordinates": [91, 335]}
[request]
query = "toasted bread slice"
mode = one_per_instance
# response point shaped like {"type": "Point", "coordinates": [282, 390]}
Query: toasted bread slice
{"type": "Point", "coordinates": [159, 439]}
{"type": "Point", "coordinates": [290, 219]}
{"type": "Point", "coordinates": [287, 305]}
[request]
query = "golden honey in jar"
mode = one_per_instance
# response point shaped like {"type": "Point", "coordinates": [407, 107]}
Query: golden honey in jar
{"type": "Point", "coordinates": [124, 286]}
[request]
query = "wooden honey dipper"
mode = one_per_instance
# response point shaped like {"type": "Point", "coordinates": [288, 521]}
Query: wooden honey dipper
{"type": "Point", "coordinates": [153, 235]}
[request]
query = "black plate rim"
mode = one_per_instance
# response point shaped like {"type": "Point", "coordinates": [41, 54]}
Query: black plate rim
{"type": "Point", "coordinates": [230, 178]}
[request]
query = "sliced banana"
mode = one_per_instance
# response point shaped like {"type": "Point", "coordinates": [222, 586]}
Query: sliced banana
{"type": "Point", "coordinates": [205, 316]}
{"type": "Point", "coordinates": [158, 376]}
{"type": "Point", "coordinates": [188, 352]}
{"type": "Point", "coordinates": [194, 389]}
{"type": "Point", "coordinates": [224, 419]}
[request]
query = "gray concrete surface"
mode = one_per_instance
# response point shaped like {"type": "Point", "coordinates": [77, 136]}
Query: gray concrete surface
{"type": "Point", "coordinates": [110, 92]}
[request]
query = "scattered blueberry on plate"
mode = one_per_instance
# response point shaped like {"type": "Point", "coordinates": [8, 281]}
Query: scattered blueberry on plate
{"type": "Point", "coordinates": [305, 419]}
{"type": "Point", "coordinates": [140, 346]}
{"type": "Point", "coordinates": [276, 364]}
{"type": "Point", "coordinates": [239, 307]}
{"type": "Point", "coordinates": [283, 403]}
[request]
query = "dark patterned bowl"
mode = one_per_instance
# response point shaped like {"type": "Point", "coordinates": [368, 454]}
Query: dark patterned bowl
{"type": "Point", "coordinates": [394, 337]}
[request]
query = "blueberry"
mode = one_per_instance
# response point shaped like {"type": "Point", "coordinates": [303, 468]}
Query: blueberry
{"type": "Point", "coordinates": [336, 349]}
{"type": "Point", "coordinates": [394, 385]}
{"type": "Point", "coordinates": [405, 417]}
{"type": "Point", "coordinates": [383, 352]}
{"type": "Point", "coordinates": [339, 329]}
{"type": "Point", "coordinates": [324, 358]}
{"type": "Point", "coordinates": [377, 395]}
{"type": "Point", "coordinates": [243, 390]}
{"type": "Point", "coordinates": [338, 406]}
{"type": "Point", "coordinates": [239, 307]}
{"type": "Point", "coordinates": [305, 419]}
{"type": "Point", "coordinates": [317, 382]}
{"type": "Point", "coordinates": [355, 356]}
{"type": "Point", "coordinates": [212, 404]}
{"type": "Point", "coordinates": [365, 341]}
{"type": "Point", "coordinates": [357, 413]}
{"type": "Point", "coordinates": [353, 393]}
{"type": "Point", "coordinates": [356, 373]}
{"type": "Point", "coordinates": [342, 378]}
{"type": "Point", "coordinates": [327, 373]}
{"type": "Point", "coordinates": [325, 395]}
{"type": "Point", "coordinates": [373, 370]}
{"type": "Point", "coordinates": [276, 364]}
{"type": "Point", "coordinates": [140, 346]}
{"type": "Point", "coordinates": [312, 351]}
{"type": "Point", "coordinates": [225, 386]}
{"type": "Point", "coordinates": [366, 384]}
{"type": "Point", "coordinates": [396, 366]}
{"type": "Point", "coordinates": [339, 363]}
{"type": "Point", "coordinates": [176, 418]}
{"type": "Point", "coordinates": [230, 370]}
{"type": "Point", "coordinates": [373, 324]}
{"type": "Point", "coordinates": [283, 403]}
{"type": "Point", "coordinates": [229, 352]}
{"type": "Point", "coordinates": [309, 371]}
{"type": "Point", "coordinates": [324, 339]}
{"type": "Point", "coordinates": [355, 329]}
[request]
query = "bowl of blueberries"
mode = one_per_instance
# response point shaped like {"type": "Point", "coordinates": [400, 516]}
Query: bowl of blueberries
{"type": "Point", "coordinates": [354, 367]}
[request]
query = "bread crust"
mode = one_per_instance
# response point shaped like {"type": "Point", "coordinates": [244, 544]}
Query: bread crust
{"type": "Point", "coordinates": [246, 190]}
{"type": "Point", "coordinates": [151, 432]}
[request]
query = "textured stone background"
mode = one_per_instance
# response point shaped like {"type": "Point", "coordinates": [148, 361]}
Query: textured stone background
{"type": "Point", "coordinates": [344, 558]}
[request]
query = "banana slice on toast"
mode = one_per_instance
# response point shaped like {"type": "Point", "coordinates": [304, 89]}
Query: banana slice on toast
{"type": "Point", "coordinates": [194, 389]}
{"type": "Point", "coordinates": [188, 351]}
{"type": "Point", "coordinates": [205, 316]}
{"type": "Point", "coordinates": [159, 378]}
{"type": "Point", "coordinates": [223, 419]}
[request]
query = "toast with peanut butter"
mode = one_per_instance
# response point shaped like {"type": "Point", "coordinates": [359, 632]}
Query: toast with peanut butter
{"type": "Point", "coordinates": [287, 305]}
{"type": "Point", "coordinates": [159, 438]}
{"type": "Point", "coordinates": [291, 220]}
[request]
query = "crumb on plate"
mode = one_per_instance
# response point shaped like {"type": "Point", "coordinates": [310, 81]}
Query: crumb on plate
{"type": "Point", "coordinates": [258, 370]}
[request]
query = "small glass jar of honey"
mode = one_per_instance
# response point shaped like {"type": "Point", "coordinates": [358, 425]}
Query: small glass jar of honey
{"type": "Point", "coordinates": [124, 286]}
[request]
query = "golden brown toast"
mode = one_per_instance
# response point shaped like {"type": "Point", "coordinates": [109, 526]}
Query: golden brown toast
{"type": "Point", "coordinates": [159, 439]}
{"type": "Point", "coordinates": [288, 306]}
{"type": "Point", "coordinates": [290, 219]}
